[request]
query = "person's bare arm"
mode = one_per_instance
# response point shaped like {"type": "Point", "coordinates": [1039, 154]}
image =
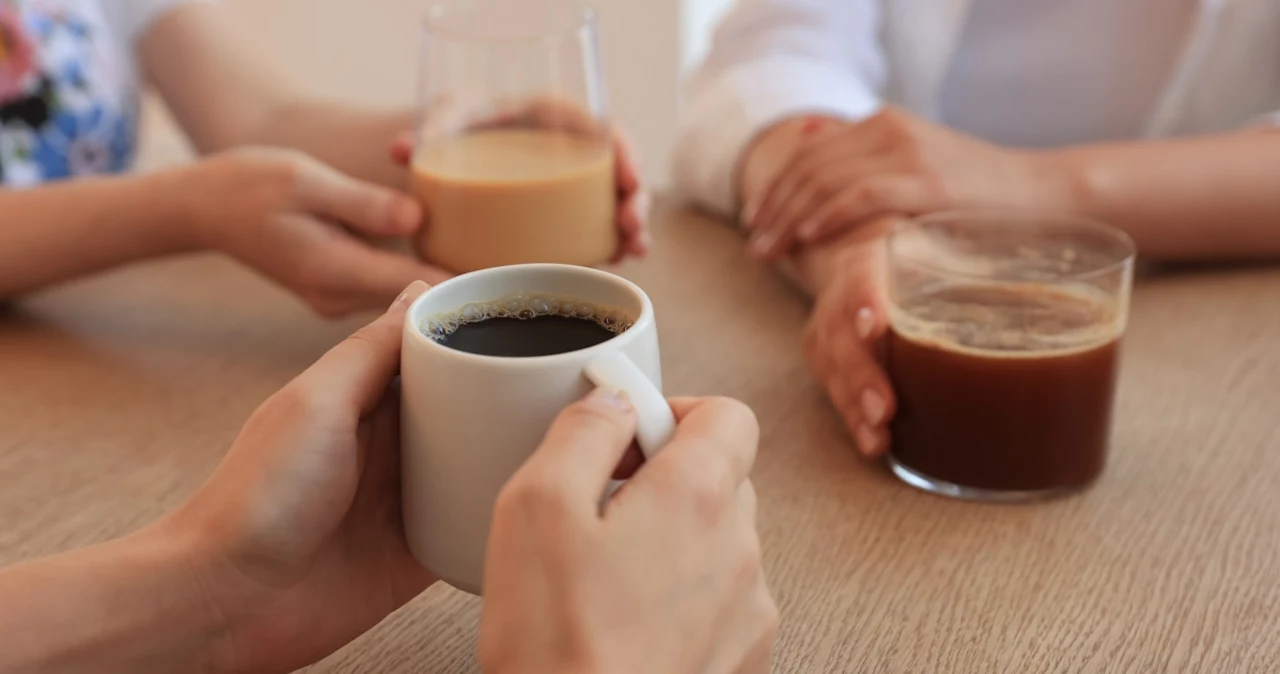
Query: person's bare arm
{"type": "Point", "coordinates": [129, 605]}
{"type": "Point", "coordinates": [1206, 197]}
{"type": "Point", "coordinates": [223, 95]}
{"type": "Point", "coordinates": [65, 230]}
{"type": "Point", "coordinates": [287, 216]}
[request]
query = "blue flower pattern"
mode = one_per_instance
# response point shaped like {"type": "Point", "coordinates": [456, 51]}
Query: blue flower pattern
{"type": "Point", "coordinates": [86, 106]}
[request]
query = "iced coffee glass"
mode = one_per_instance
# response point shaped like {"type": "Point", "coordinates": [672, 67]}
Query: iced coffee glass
{"type": "Point", "coordinates": [1003, 348]}
{"type": "Point", "coordinates": [514, 159]}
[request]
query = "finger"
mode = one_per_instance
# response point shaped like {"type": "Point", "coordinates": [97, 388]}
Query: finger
{"type": "Point", "coordinates": [776, 236]}
{"type": "Point", "coordinates": [866, 198]}
{"type": "Point", "coordinates": [815, 152]}
{"type": "Point", "coordinates": [818, 175]}
{"type": "Point", "coordinates": [626, 163]}
{"type": "Point", "coordinates": [370, 277]}
{"type": "Point", "coordinates": [402, 149]}
{"type": "Point", "coordinates": [758, 211]}
{"type": "Point", "coordinates": [866, 138]}
{"type": "Point", "coordinates": [861, 390]}
{"type": "Point", "coordinates": [748, 502]}
{"type": "Point", "coordinates": [714, 447]}
{"type": "Point", "coordinates": [365, 207]}
{"type": "Point", "coordinates": [633, 218]}
{"type": "Point", "coordinates": [354, 375]}
{"type": "Point", "coordinates": [546, 112]}
{"type": "Point", "coordinates": [379, 448]}
{"type": "Point", "coordinates": [583, 447]}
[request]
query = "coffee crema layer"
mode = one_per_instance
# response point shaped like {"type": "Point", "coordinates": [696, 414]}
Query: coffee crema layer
{"type": "Point", "coordinates": [524, 306]}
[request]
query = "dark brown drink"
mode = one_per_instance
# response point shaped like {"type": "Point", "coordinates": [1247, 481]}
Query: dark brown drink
{"type": "Point", "coordinates": [1004, 388]}
{"type": "Point", "coordinates": [527, 326]}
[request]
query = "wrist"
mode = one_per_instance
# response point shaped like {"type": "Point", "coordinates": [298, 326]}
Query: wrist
{"type": "Point", "coordinates": [164, 202]}
{"type": "Point", "coordinates": [823, 266]}
{"type": "Point", "coordinates": [195, 579]}
{"type": "Point", "coordinates": [1069, 183]}
{"type": "Point", "coordinates": [127, 605]}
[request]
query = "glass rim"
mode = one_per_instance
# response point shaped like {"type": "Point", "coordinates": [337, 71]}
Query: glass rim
{"type": "Point", "coordinates": [1068, 220]}
{"type": "Point", "coordinates": [433, 23]}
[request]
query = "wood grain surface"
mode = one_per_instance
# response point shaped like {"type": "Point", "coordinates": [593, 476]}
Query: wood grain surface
{"type": "Point", "coordinates": [119, 395]}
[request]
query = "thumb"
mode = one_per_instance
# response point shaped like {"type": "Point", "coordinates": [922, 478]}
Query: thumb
{"type": "Point", "coordinates": [583, 446]}
{"type": "Point", "coordinates": [365, 207]}
{"type": "Point", "coordinates": [358, 371]}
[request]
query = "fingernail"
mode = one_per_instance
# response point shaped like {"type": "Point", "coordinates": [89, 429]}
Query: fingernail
{"type": "Point", "coordinates": [811, 125]}
{"type": "Point", "coordinates": [874, 406]}
{"type": "Point", "coordinates": [610, 397]}
{"type": "Point", "coordinates": [405, 213]}
{"type": "Point", "coordinates": [865, 322]}
{"type": "Point", "coordinates": [868, 441]}
{"type": "Point", "coordinates": [762, 242]}
{"type": "Point", "coordinates": [748, 215]}
{"type": "Point", "coordinates": [410, 294]}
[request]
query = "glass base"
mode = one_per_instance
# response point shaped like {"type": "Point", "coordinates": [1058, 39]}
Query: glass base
{"type": "Point", "coordinates": [933, 485]}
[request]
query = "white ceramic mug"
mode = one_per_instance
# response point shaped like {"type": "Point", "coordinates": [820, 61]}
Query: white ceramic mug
{"type": "Point", "coordinates": [468, 421]}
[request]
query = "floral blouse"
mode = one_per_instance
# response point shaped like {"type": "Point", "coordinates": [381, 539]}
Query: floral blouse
{"type": "Point", "coordinates": [69, 87]}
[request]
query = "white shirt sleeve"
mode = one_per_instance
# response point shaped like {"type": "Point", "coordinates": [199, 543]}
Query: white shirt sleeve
{"type": "Point", "coordinates": [769, 60]}
{"type": "Point", "coordinates": [130, 19]}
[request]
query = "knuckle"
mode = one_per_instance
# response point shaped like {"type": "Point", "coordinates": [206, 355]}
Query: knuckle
{"type": "Point", "coordinates": [373, 335]}
{"type": "Point", "coordinates": [866, 194]}
{"type": "Point", "coordinates": [582, 414]}
{"type": "Point", "coordinates": [931, 182]}
{"type": "Point", "coordinates": [895, 123]}
{"type": "Point", "coordinates": [283, 170]}
{"type": "Point", "coordinates": [298, 401]}
{"type": "Point", "coordinates": [707, 488]}
{"type": "Point", "coordinates": [531, 495]}
{"type": "Point", "coordinates": [736, 412]}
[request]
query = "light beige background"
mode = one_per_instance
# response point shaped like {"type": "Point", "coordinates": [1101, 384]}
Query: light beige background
{"type": "Point", "coordinates": [367, 52]}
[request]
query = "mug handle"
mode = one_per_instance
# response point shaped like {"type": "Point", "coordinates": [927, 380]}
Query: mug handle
{"type": "Point", "coordinates": [656, 423]}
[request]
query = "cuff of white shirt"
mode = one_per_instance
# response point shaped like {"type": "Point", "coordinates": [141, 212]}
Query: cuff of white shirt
{"type": "Point", "coordinates": [727, 115]}
{"type": "Point", "coordinates": [1268, 119]}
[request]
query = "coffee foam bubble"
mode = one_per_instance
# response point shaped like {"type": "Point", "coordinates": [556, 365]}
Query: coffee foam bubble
{"type": "Point", "coordinates": [524, 306]}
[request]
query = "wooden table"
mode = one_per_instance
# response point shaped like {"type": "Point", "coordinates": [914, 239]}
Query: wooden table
{"type": "Point", "coordinates": [119, 395]}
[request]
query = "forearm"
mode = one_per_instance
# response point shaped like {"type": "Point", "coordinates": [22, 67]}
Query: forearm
{"type": "Point", "coordinates": [226, 95]}
{"type": "Point", "coordinates": [1212, 197]}
{"type": "Point", "coordinates": [130, 605]}
{"type": "Point", "coordinates": [65, 230]}
{"type": "Point", "coordinates": [355, 141]}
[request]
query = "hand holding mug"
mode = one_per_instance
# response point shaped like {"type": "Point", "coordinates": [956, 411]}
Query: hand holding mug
{"type": "Point", "coordinates": [666, 578]}
{"type": "Point", "coordinates": [301, 546]}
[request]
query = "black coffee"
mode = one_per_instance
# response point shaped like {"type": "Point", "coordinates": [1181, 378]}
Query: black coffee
{"type": "Point", "coordinates": [525, 326]}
